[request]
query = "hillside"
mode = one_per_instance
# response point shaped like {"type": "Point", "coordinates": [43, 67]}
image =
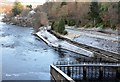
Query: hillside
{"type": "Point", "coordinates": [80, 12]}
{"type": "Point", "coordinates": [100, 15]}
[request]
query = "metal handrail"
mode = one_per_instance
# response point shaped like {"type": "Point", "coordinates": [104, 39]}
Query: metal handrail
{"type": "Point", "coordinates": [90, 64]}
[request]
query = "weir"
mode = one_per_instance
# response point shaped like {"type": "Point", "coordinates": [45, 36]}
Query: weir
{"type": "Point", "coordinates": [52, 41]}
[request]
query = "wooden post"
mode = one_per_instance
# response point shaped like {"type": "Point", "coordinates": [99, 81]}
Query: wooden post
{"type": "Point", "coordinates": [100, 73]}
{"type": "Point", "coordinates": [84, 73]}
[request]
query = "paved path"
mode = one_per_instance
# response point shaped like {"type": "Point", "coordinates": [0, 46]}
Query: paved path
{"type": "Point", "coordinates": [94, 34]}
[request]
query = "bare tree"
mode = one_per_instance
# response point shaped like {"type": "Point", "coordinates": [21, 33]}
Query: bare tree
{"type": "Point", "coordinates": [39, 19]}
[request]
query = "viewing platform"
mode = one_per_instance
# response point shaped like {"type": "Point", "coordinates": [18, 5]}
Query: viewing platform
{"type": "Point", "coordinates": [85, 72]}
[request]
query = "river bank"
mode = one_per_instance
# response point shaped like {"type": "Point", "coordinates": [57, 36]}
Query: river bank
{"type": "Point", "coordinates": [19, 21]}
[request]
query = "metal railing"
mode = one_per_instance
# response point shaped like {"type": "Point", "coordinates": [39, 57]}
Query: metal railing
{"type": "Point", "coordinates": [58, 75]}
{"type": "Point", "coordinates": [91, 71]}
{"type": "Point", "coordinates": [97, 51]}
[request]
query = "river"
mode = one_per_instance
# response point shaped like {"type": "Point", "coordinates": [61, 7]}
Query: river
{"type": "Point", "coordinates": [24, 57]}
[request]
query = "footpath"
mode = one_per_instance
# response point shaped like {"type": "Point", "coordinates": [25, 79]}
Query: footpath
{"type": "Point", "coordinates": [106, 41]}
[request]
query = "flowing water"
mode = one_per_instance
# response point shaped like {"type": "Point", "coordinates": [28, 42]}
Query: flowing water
{"type": "Point", "coordinates": [24, 57]}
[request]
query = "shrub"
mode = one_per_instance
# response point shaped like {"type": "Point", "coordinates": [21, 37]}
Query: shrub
{"type": "Point", "coordinates": [71, 22]}
{"type": "Point", "coordinates": [61, 26]}
{"type": "Point", "coordinates": [17, 9]}
{"type": "Point", "coordinates": [66, 21]}
{"type": "Point", "coordinates": [52, 25]}
{"type": "Point", "coordinates": [113, 26]}
{"type": "Point", "coordinates": [107, 24]}
{"type": "Point", "coordinates": [63, 3]}
{"type": "Point", "coordinates": [58, 26]}
{"type": "Point", "coordinates": [100, 25]}
{"type": "Point", "coordinates": [78, 23]}
{"type": "Point", "coordinates": [89, 25]}
{"type": "Point", "coordinates": [29, 6]}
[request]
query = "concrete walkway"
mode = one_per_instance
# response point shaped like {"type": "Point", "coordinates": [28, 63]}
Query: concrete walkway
{"type": "Point", "coordinates": [109, 42]}
{"type": "Point", "coordinates": [77, 32]}
{"type": "Point", "coordinates": [52, 41]}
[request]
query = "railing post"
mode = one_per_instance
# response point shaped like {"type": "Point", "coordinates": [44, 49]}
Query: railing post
{"type": "Point", "coordinates": [84, 73]}
{"type": "Point", "coordinates": [100, 59]}
{"type": "Point", "coordinates": [117, 73]}
{"type": "Point", "coordinates": [100, 73]}
{"type": "Point", "coordinates": [68, 71]}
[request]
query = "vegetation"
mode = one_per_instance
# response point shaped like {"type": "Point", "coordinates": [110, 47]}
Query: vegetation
{"type": "Point", "coordinates": [63, 3]}
{"type": "Point", "coordinates": [25, 12]}
{"type": "Point", "coordinates": [29, 6]}
{"type": "Point", "coordinates": [39, 19]}
{"type": "Point", "coordinates": [71, 22]}
{"type": "Point", "coordinates": [59, 26]}
{"type": "Point", "coordinates": [89, 14]}
{"type": "Point", "coordinates": [94, 13]}
{"type": "Point", "coordinates": [79, 14]}
{"type": "Point", "coordinates": [17, 9]}
{"type": "Point", "coordinates": [118, 12]}
{"type": "Point", "coordinates": [52, 25]}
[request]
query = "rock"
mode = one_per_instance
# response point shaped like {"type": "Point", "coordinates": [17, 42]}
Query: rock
{"type": "Point", "coordinates": [45, 49]}
{"type": "Point", "coordinates": [31, 19]}
{"type": "Point", "coordinates": [20, 21]}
